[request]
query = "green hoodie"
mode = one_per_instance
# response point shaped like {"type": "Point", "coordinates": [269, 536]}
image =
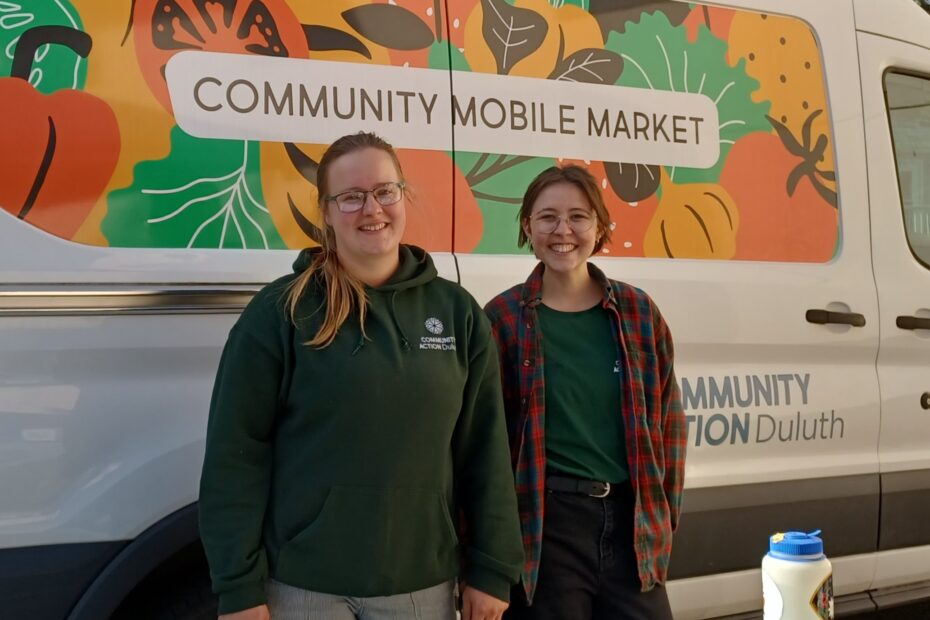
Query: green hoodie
{"type": "Point", "coordinates": [341, 470]}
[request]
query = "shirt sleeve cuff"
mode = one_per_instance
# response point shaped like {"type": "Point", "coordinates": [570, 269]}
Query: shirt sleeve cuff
{"type": "Point", "coordinates": [243, 597]}
{"type": "Point", "coordinates": [489, 582]}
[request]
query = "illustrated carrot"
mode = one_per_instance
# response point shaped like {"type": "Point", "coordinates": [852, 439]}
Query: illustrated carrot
{"type": "Point", "coordinates": [57, 151]}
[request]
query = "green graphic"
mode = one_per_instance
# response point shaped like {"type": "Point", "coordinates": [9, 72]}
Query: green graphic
{"type": "Point", "coordinates": [584, 4]}
{"type": "Point", "coordinates": [205, 194]}
{"type": "Point", "coordinates": [441, 51]}
{"type": "Point", "coordinates": [498, 183]}
{"type": "Point", "coordinates": [55, 66]}
{"type": "Point", "coordinates": [658, 55]}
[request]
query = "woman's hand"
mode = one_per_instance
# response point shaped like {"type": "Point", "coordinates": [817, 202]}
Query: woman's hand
{"type": "Point", "coordinates": [253, 613]}
{"type": "Point", "coordinates": [476, 605]}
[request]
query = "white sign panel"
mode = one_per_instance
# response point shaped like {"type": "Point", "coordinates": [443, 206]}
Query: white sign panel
{"type": "Point", "coordinates": [249, 97]}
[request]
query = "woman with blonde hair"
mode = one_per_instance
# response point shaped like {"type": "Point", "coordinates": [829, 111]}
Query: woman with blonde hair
{"type": "Point", "coordinates": [597, 430]}
{"type": "Point", "coordinates": [357, 413]}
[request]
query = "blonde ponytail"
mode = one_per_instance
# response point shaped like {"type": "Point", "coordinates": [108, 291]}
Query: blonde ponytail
{"type": "Point", "coordinates": [344, 292]}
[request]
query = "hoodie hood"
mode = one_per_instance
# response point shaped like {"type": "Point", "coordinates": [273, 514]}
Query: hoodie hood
{"type": "Point", "coordinates": [416, 267]}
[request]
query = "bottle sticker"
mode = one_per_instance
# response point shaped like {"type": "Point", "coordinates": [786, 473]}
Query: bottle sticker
{"type": "Point", "coordinates": [772, 603]}
{"type": "Point", "coordinates": [822, 601]}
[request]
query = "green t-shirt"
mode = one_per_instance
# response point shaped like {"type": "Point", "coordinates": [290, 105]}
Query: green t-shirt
{"type": "Point", "coordinates": [584, 424]}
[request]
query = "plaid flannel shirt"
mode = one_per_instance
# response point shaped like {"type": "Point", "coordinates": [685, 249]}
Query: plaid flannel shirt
{"type": "Point", "coordinates": [653, 418]}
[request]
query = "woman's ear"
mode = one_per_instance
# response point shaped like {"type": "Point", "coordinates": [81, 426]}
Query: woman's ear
{"type": "Point", "coordinates": [525, 225]}
{"type": "Point", "coordinates": [324, 209]}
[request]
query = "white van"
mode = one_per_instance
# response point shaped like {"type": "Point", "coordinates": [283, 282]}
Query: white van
{"type": "Point", "coordinates": [767, 164]}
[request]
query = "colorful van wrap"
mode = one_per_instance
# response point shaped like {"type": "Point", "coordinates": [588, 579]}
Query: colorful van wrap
{"type": "Point", "coordinates": [100, 146]}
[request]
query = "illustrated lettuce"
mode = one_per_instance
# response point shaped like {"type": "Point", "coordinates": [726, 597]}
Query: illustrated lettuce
{"type": "Point", "coordinates": [204, 194]}
{"type": "Point", "coordinates": [658, 55]}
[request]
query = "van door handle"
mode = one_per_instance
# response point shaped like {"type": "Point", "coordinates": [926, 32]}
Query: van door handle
{"type": "Point", "coordinates": [912, 322]}
{"type": "Point", "coordinates": [825, 317]}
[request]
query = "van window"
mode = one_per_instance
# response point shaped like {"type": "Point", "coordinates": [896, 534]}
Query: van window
{"type": "Point", "coordinates": [908, 100]}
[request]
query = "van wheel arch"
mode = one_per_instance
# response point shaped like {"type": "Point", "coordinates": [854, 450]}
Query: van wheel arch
{"type": "Point", "coordinates": [150, 550]}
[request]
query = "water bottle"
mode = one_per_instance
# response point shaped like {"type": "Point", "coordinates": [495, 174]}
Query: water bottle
{"type": "Point", "coordinates": [797, 578]}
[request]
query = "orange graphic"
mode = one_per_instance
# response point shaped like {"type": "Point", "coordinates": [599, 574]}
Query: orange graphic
{"type": "Point", "coordinates": [57, 151]}
{"type": "Point", "coordinates": [163, 28]}
{"type": "Point", "coordinates": [776, 224]}
{"type": "Point", "coordinates": [694, 220]}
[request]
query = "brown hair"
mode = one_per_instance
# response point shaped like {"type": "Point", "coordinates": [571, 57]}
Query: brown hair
{"type": "Point", "coordinates": [580, 178]}
{"type": "Point", "coordinates": [343, 290]}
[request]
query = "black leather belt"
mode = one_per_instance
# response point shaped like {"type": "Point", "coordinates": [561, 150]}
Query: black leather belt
{"type": "Point", "coordinates": [591, 488]}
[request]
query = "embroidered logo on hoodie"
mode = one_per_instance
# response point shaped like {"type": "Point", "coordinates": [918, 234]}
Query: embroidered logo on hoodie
{"type": "Point", "coordinates": [437, 342]}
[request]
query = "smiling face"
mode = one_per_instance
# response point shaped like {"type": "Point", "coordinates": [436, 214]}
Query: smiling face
{"type": "Point", "coordinates": [372, 234]}
{"type": "Point", "coordinates": [562, 250]}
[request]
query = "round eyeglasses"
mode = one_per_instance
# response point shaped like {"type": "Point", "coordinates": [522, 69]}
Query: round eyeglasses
{"type": "Point", "coordinates": [353, 200]}
{"type": "Point", "coordinates": [548, 223]}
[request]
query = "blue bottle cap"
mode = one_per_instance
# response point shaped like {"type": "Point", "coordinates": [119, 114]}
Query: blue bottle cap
{"type": "Point", "coordinates": [796, 546]}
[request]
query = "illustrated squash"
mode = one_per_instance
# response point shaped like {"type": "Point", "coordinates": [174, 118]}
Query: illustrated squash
{"type": "Point", "coordinates": [57, 151]}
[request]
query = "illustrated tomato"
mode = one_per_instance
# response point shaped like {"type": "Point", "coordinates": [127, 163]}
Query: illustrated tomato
{"type": "Point", "coordinates": [778, 222]}
{"type": "Point", "coordinates": [57, 151]}
{"type": "Point", "coordinates": [163, 28]}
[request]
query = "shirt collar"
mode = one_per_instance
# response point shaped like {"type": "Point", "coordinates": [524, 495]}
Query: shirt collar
{"type": "Point", "coordinates": [532, 288]}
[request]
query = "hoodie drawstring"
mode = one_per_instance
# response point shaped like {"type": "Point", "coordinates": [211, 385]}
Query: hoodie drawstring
{"type": "Point", "coordinates": [403, 336]}
{"type": "Point", "coordinates": [359, 345]}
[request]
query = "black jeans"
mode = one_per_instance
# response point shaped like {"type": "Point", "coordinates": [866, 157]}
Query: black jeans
{"type": "Point", "coordinates": [588, 566]}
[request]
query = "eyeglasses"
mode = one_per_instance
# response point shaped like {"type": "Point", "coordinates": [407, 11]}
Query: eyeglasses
{"type": "Point", "coordinates": [548, 223]}
{"type": "Point", "coordinates": [353, 200]}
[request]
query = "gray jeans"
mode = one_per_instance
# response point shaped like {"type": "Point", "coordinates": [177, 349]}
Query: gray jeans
{"type": "Point", "coordinates": [290, 603]}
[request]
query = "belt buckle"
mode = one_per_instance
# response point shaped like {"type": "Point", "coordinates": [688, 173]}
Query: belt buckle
{"type": "Point", "coordinates": [605, 493]}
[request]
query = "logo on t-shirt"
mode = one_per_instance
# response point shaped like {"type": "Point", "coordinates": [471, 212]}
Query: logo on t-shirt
{"type": "Point", "coordinates": [436, 342]}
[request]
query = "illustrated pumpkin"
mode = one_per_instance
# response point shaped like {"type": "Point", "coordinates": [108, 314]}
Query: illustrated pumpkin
{"type": "Point", "coordinates": [57, 151]}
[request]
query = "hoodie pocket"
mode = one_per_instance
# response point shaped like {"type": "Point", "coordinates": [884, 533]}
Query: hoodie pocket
{"type": "Point", "coordinates": [370, 541]}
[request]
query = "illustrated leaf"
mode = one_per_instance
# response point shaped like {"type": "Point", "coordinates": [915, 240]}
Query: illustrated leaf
{"type": "Point", "coordinates": [594, 66]}
{"type": "Point", "coordinates": [303, 163]}
{"type": "Point", "coordinates": [658, 55]}
{"type": "Point", "coordinates": [632, 182]}
{"type": "Point", "coordinates": [511, 33]}
{"type": "Point", "coordinates": [498, 183]}
{"type": "Point", "coordinates": [440, 54]}
{"type": "Point", "coordinates": [204, 194]}
{"type": "Point", "coordinates": [614, 15]}
{"type": "Point", "coordinates": [390, 26]}
{"type": "Point", "coordinates": [55, 66]}
{"type": "Point", "coordinates": [326, 39]}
